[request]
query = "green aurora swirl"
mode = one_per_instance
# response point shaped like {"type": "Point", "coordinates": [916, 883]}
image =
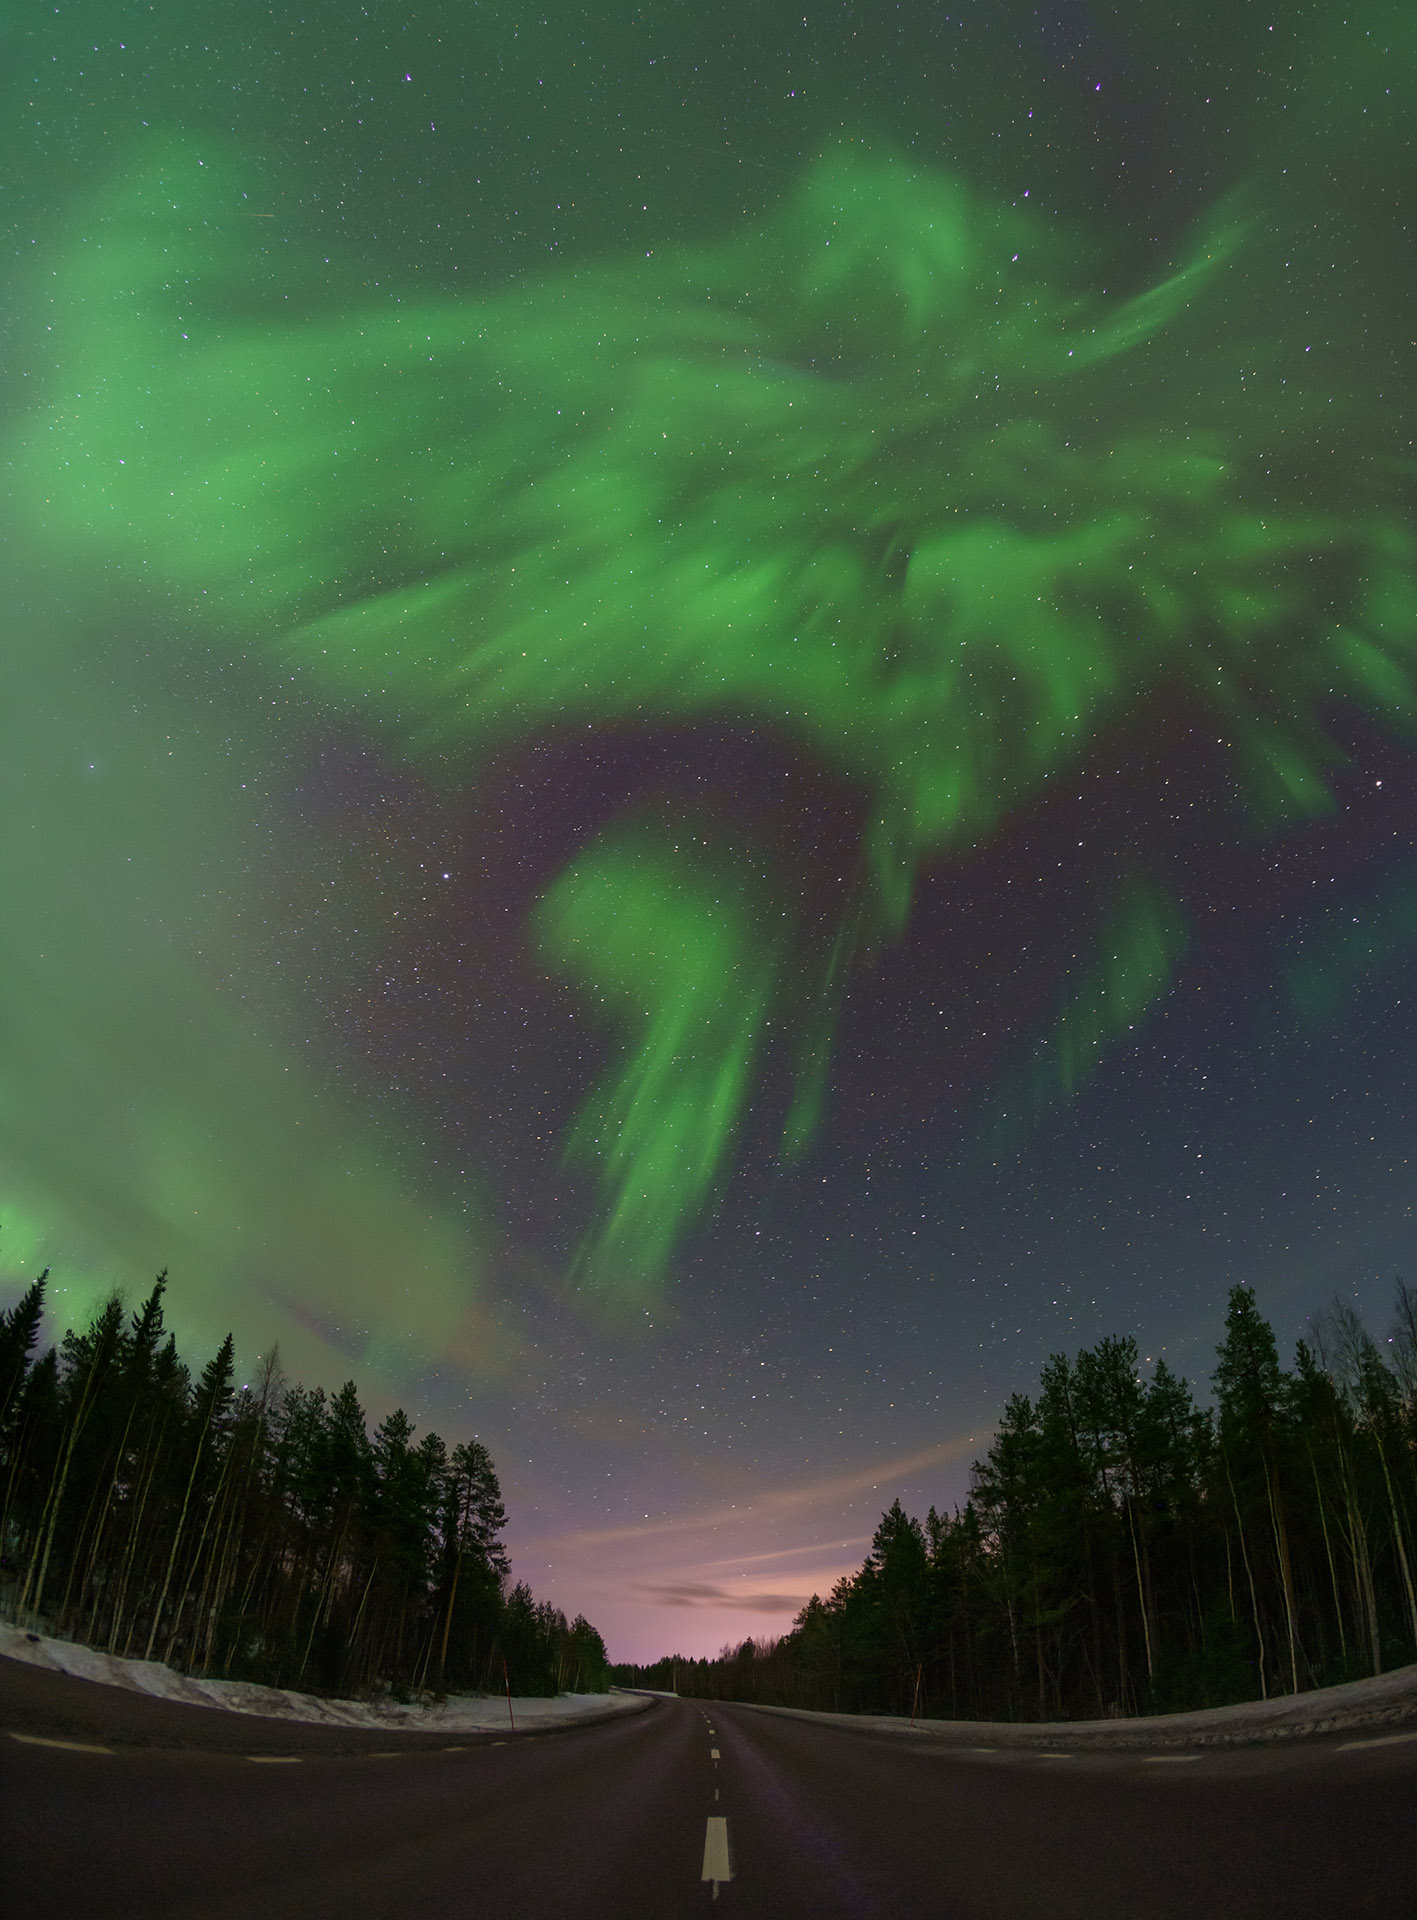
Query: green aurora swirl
{"type": "Point", "coordinates": [884, 477]}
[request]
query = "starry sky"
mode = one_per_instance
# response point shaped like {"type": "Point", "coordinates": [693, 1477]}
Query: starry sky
{"type": "Point", "coordinates": [707, 723]}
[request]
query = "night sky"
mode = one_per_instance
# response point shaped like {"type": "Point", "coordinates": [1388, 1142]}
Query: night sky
{"type": "Point", "coordinates": [707, 721]}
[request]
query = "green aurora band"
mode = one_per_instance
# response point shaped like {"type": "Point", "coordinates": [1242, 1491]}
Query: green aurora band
{"type": "Point", "coordinates": [670, 941]}
{"type": "Point", "coordinates": [1351, 944]}
{"type": "Point", "coordinates": [1138, 944]}
{"type": "Point", "coordinates": [884, 477]}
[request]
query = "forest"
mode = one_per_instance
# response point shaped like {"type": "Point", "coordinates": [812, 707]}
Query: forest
{"type": "Point", "coordinates": [258, 1532]}
{"type": "Point", "coordinates": [1127, 1550]}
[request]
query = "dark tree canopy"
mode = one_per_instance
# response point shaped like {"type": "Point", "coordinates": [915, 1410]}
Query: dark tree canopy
{"type": "Point", "coordinates": [1126, 1550]}
{"type": "Point", "coordinates": [258, 1533]}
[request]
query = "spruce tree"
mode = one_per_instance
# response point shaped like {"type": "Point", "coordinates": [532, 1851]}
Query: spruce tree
{"type": "Point", "coordinates": [19, 1334]}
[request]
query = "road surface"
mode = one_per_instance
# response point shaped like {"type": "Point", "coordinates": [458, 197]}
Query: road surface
{"type": "Point", "coordinates": [115, 1805]}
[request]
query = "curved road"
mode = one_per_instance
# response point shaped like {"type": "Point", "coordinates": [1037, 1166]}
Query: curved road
{"type": "Point", "coordinates": [115, 1805]}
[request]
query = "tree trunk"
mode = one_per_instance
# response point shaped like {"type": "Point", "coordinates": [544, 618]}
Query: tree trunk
{"type": "Point", "coordinates": [1397, 1534]}
{"type": "Point", "coordinates": [176, 1543]}
{"type": "Point", "coordinates": [1286, 1570]}
{"type": "Point", "coordinates": [32, 1593]}
{"type": "Point", "coordinates": [1332, 1565]}
{"type": "Point", "coordinates": [1250, 1578]}
{"type": "Point", "coordinates": [1141, 1597]}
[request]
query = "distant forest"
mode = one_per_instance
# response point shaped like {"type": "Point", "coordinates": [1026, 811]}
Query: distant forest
{"type": "Point", "coordinates": [259, 1532]}
{"type": "Point", "coordinates": [1124, 1550]}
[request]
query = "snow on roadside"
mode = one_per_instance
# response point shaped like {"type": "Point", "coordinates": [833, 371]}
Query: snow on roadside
{"type": "Point", "coordinates": [1384, 1703]}
{"type": "Point", "coordinates": [457, 1714]}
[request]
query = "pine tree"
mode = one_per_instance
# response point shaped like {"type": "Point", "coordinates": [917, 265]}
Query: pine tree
{"type": "Point", "coordinates": [19, 1334]}
{"type": "Point", "coordinates": [212, 1399]}
{"type": "Point", "coordinates": [87, 1362]}
{"type": "Point", "coordinates": [1253, 1395]}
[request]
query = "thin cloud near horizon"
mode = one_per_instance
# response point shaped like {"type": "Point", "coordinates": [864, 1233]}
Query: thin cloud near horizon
{"type": "Point", "coordinates": [698, 1594]}
{"type": "Point", "coordinates": [785, 1501]}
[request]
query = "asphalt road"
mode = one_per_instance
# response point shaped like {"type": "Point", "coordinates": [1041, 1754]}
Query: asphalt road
{"type": "Point", "coordinates": [114, 1805]}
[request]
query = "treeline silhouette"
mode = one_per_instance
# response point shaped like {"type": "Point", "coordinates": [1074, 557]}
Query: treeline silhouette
{"type": "Point", "coordinates": [257, 1532]}
{"type": "Point", "coordinates": [1125, 1550]}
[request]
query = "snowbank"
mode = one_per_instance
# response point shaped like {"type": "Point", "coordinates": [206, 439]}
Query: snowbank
{"type": "Point", "coordinates": [278, 1703]}
{"type": "Point", "coordinates": [1380, 1705]}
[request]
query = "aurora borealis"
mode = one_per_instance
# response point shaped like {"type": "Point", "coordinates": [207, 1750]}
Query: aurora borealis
{"type": "Point", "coordinates": [700, 768]}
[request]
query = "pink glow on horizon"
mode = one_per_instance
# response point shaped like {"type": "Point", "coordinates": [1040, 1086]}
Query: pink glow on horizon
{"type": "Point", "coordinates": [722, 1573]}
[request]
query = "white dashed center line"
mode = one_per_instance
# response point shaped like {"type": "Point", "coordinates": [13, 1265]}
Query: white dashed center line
{"type": "Point", "coordinates": [713, 1753]}
{"type": "Point", "coordinates": [274, 1759]}
{"type": "Point", "coordinates": [1169, 1759]}
{"type": "Point", "coordinates": [1378, 1740]}
{"type": "Point", "coordinates": [716, 1863]}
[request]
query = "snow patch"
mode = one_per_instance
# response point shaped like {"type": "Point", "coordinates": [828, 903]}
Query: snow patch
{"type": "Point", "coordinates": [459, 1713]}
{"type": "Point", "coordinates": [1387, 1701]}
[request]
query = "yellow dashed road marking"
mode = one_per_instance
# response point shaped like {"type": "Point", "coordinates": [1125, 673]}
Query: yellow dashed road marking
{"type": "Point", "coordinates": [65, 1746]}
